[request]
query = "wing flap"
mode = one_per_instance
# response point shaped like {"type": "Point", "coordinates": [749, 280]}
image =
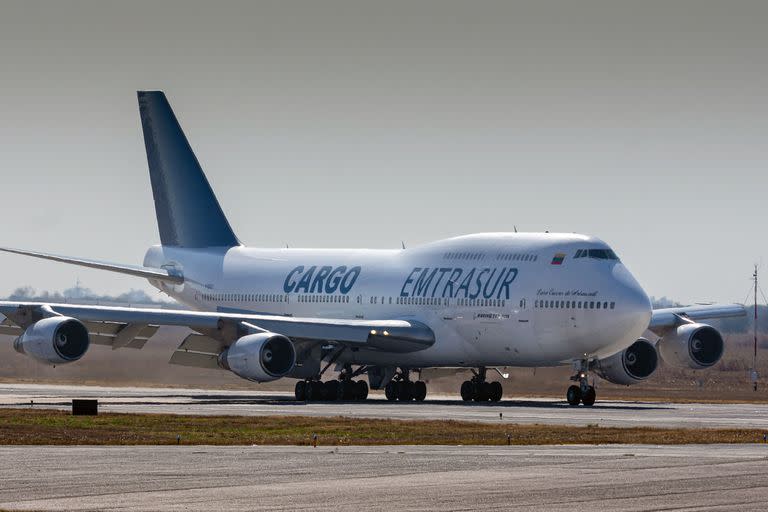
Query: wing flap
{"type": "Point", "coordinates": [194, 359]}
{"type": "Point", "coordinates": [10, 330]}
{"type": "Point", "coordinates": [201, 343]}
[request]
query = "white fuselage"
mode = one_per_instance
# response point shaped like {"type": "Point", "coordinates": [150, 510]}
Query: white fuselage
{"type": "Point", "coordinates": [497, 299]}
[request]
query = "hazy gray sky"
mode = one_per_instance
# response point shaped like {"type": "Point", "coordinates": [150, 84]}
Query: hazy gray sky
{"type": "Point", "coordinates": [338, 124]}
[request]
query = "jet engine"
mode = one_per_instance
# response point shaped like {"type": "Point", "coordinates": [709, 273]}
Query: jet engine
{"type": "Point", "coordinates": [694, 346]}
{"type": "Point", "coordinates": [54, 340]}
{"type": "Point", "coordinates": [260, 357]}
{"type": "Point", "coordinates": [630, 366]}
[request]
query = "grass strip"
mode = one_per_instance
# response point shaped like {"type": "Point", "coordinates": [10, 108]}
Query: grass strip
{"type": "Point", "coordinates": [50, 427]}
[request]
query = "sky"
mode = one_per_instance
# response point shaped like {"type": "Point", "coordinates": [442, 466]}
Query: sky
{"type": "Point", "coordinates": [364, 124]}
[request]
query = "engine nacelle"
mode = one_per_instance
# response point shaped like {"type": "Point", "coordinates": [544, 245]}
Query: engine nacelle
{"type": "Point", "coordinates": [54, 340]}
{"type": "Point", "coordinates": [694, 346]}
{"type": "Point", "coordinates": [260, 357]}
{"type": "Point", "coordinates": [630, 366]}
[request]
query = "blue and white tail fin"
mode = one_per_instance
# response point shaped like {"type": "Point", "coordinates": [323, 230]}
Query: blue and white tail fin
{"type": "Point", "coordinates": [188, 214]}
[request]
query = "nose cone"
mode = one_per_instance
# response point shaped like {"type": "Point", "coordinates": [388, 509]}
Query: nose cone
{"type": "Point", "coordinates": [633, 309]}
{"type": "Point", "coordinates": [632, 293]}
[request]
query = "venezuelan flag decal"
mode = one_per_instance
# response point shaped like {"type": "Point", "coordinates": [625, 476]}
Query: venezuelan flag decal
{"type": "Point", "coordinates": [558, 259]}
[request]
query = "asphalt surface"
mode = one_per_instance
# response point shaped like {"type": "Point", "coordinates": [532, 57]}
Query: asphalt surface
{"type": "Point", "coordinates": [555, 478]}
{"type": "Point", "coordinates": [523, 411]}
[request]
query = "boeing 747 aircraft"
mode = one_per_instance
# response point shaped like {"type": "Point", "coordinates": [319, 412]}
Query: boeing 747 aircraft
{"type": "Point", "coordinates": [481, 301]}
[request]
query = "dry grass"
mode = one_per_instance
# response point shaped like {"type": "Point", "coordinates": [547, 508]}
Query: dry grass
{"type": "Point", "coordinates": [46, 427]}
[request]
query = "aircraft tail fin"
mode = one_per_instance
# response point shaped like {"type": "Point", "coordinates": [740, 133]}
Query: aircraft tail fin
{"type": "Point", "coordinates": [188, 214]}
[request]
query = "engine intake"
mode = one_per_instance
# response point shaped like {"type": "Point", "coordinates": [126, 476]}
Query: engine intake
{"type": "Point", "coordinates": [260, 357]}
{"type": "Point", "coordinates": [54, 340]}
{"type": "Point", "coordinates": [632, 365]}
{"type": "Point", "coordinates": [694, 346]}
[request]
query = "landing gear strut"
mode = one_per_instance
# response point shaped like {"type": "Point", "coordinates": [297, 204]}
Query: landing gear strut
{"type": "Point", "coordinates": [403, 389]}
{"type": "Point", "coordinates": [479, 390]}
{"type": "Point", "coordinates": [584, 392]}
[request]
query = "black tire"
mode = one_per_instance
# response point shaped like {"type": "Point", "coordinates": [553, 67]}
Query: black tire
{"type": "Point", "coordinates": [313, 391]}
{"type": "Point", "coordinates": [300, 391]}
{"type": "Point", "coordinates": [390, 391]}
{"type": "Point", "coordinates": [589, 397]}
{"type": "Point", "coordinates": [496, 391]}
{"type": "Point", "coordinates": [331, 389]}
{"type": "Point", "coordinates": [573, 395]}
{"type": "Point", "coordinates": [361, 388]}
{"type": "Point", "coordinates": [467, 391]}
{"type": "Point", "coordinates": [482, 391]}
{"type": "Point", "coordinates": [404, 391]}
{"type": "Point", "coordinates": [419, 391]}
{"type": "Point", "coordinates": [346, 390]}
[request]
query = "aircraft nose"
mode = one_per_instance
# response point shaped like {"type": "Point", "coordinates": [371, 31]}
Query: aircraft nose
{"type": "Point", "coordinates": [633, 301]}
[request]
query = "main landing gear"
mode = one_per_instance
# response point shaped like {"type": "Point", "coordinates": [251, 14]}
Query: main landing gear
{"type": "Point", "coordinates": [584, 392]}
{"type": "Point", "coordinates": [343, 388]}
{"type": "Point", "coordinates": [479, 390]}
{"type": "Point", "coordinates": [403, 389]}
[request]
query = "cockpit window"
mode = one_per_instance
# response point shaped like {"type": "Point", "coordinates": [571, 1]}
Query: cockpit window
{"type": "Point", "coordinates": [596, 254]}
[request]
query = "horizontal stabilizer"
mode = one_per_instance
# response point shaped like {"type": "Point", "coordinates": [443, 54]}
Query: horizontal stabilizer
{"type": "Point", "coordinates": [159, 274]}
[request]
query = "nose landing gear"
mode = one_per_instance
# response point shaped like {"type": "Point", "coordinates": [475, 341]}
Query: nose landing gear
{"type": "Point", "coordinates": [584, 392]}
{"type": "Point", "coordinates": [479, 390]}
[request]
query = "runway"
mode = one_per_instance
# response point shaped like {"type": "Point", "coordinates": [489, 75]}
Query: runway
{"type": "Point", "coordinates": [559, 478]}
{"type": "Point", "coordinates": [520, 410]}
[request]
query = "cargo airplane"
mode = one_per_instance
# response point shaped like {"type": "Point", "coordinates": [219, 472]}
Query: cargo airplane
{"type": "Point", "coordinates": [482, 301]}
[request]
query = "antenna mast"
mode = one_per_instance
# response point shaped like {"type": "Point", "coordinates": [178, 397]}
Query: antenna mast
{"type": "Point", "coordinates": [753, 373]}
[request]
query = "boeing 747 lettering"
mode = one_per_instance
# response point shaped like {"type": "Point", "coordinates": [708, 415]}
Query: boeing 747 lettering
{"type": "Point", "coordinates": [481, 301]}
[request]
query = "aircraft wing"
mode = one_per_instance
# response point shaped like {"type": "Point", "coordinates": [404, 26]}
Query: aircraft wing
{"type": "Point", "coordinates": [126, 327]}
{"type": "Point", "coordinates": [667, 318]}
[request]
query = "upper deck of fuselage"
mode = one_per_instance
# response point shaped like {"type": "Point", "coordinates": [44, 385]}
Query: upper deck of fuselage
{"type": "Point", "coordinates": [465, 247]}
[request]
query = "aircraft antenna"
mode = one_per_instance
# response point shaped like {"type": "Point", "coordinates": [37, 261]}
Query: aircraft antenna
{"type": "Point", "coordinates": [402, 242]}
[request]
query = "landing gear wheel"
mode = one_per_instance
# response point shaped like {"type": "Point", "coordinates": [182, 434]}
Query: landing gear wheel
{"type": "Point", "coordinates": [589, 397]}
{"type": "Point", "coordinates": [390, 391]}
{"type": "Point", "coordinates": [467, 391]}
{"type": "Point", "coordinates": [419, 391]}
{"type": "Point", "coordinates": [404, 391]}
{"type": "Point", "coordinates": [300, 391]}
{"type": "Point", "coordinates": [479, 389]}
{"type": "Point", "coordinates": [573, 395]}
{"type": "Point", "coordinates": [331, 389]}
{"type": "Point", "coordinates": [313, 391]}
{"type": "Point", "coordinates": [346, 390]}
{"type": "Point", "coordinates": [496, 391]}
{"type": "Point", "coordinates": [482, 390]}
{"type": "Point", "coordinates": [361, 388]}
